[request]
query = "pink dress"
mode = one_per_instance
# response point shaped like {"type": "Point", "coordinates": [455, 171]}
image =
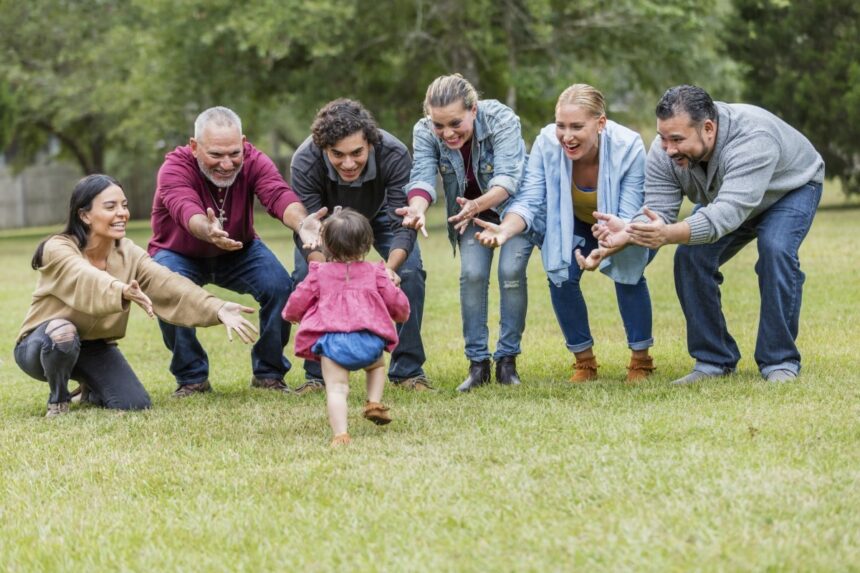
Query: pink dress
{"type": "Point", "coordinates": [345, 297]}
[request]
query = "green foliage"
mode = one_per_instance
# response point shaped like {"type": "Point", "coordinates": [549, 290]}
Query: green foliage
{"type": "Point", "coordinates": [120, 81]}
{"type": "Point", "coordinates": [801, 60]}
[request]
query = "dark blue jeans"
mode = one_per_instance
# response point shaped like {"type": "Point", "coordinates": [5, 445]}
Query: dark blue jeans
{"type": "Point", "coordinates": [634, 302]}
{"type": "Point", "coordinates": [253, 270]}
{"type": "Point", "coordinates": [408, 358]}
{"type": "Point", "coordinates": [780, 230]}
{"type": "Point", "coordinates": [99, 365]}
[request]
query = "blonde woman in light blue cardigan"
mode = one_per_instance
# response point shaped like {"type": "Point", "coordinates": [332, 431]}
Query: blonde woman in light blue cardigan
{"type": "Point", "coordinates": [580, 164]}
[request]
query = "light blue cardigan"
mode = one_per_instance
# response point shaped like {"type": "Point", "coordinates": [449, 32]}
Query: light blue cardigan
{"type": "Point", "coordinates": [544, 201]}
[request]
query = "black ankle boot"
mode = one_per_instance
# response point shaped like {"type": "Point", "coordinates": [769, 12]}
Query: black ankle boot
{"type": "Point", "coordinates": [506, 370]}
{"type": "Point", "coordinates": [479, 374]}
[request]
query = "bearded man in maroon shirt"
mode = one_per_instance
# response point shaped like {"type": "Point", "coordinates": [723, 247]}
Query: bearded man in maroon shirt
{"type": "Point", "coordinates": [203, 229]}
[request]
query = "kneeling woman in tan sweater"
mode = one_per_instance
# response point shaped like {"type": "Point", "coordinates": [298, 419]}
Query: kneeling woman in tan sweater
{"type": "Point", "coordinates": [89, 275]}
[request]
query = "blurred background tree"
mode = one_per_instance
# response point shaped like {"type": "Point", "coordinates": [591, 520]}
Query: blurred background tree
{"type": "Point", "coordinates": [119, 82]}
{"type": "Point", "coordinates": [801, 60]}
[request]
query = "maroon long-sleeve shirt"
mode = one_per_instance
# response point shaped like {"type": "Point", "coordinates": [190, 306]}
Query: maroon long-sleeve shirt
{"type": "Point", "coordinates": [183, 191]}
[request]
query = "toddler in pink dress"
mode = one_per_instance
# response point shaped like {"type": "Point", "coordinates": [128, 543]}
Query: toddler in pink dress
{"type": "Point", "coordinates": [345, 308]}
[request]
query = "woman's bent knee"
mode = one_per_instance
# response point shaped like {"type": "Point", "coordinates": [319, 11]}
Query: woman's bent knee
{"type": "Point", "coordinates": [62, 333]}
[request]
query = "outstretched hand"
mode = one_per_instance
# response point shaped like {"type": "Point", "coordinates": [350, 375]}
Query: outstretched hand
{"type": "Point", "coordinates": [133, 292]}
{"type": "Point", "coordinates": [310, 227]}
{"type": "Point", "coordinates": [652, 234]}
{"type": "Point", "coordinates": [392, 274]}
{"type": "Point", "coordinates": [610, 231]}
{"type": "Point", "coordinates": [216, 234]}
{"type": "Point", "coordinates": [492, 235]}
{"type": "Point", "coordinates": [592, 261]}
{"type": "Point", "coordinates": [231, 316]}
{"type": "Point", "coordinates": [413, 218]}
{"type": "Point", "coordinates": [468, 211]}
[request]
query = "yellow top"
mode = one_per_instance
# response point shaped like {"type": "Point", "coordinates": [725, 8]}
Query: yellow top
{"type": "Point", "coordinates": [70, 287]}
{"type": "Point", "coordinates": [584, 203]}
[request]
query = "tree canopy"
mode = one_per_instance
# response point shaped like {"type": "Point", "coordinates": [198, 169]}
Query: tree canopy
{"type": "Point", "coordinates": [801, 60]}
{"type": "Point", "coordinates": [119, 82]}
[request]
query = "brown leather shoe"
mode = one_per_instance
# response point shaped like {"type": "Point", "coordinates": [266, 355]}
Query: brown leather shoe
{"type": "Point", "coordinates": [186, 390]}
{"type": "Point", "coordinates": [377, 413]}
{"type": "Point", "coordinates": [340, 440]}
{"type": "Point", "coordinates": [418, 383]}
{"type": "Point", "coordinates": [270, 384]}
{"type": "Point", "coordinates": [584, 370]}
{"type": "Point", "coordinates": [639, 369]}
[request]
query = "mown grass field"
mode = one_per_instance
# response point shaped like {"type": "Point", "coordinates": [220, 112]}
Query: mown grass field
{"type": "Point", "coordinates": [734, 475]}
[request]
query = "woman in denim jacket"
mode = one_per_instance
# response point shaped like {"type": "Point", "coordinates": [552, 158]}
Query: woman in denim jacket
{"type": "Point", "coordinates": [477, 148]}
{"type": "Point", "coordinates": [581, 164]}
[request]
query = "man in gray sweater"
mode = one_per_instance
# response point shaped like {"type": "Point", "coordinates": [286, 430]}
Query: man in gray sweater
{"type": "Point", "coordinates": [751, 176]}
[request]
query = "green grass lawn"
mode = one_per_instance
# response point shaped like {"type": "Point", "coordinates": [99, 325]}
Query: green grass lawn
{"type": "Point", "coordinates": [729, 475]}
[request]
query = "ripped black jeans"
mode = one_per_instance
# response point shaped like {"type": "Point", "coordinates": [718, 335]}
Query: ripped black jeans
{"type": "Point", "coordinates": [97, 364]}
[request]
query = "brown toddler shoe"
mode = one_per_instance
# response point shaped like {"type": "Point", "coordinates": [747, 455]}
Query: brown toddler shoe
{"type": "Point", "coordinates": [377, 413]}
{"type": "Point", "coordinates": [340, 440]}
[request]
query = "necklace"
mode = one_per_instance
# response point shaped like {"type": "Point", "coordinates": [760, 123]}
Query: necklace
{"type": "Point", "coordinates": [219, 204]}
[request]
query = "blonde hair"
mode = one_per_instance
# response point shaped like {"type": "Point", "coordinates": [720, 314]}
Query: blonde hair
{"type": "Point", "coordinates": [445, 90]}
{"type": "Point", "coordinates": [585, 96]}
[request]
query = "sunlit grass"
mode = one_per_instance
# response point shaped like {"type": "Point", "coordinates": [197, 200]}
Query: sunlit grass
{"type": "Point", "coordinates": [732, 475]}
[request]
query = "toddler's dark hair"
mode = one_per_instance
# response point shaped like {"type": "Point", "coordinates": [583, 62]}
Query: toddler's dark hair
{"type": "Point", "coordinates": [346, 236]}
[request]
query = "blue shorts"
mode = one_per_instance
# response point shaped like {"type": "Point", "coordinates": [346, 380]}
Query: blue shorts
{"type": "Point", "coordinates": [352, 350]}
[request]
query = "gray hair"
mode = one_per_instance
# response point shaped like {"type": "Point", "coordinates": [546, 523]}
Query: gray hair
{"type": "Point", "coordinates": [219, 116]}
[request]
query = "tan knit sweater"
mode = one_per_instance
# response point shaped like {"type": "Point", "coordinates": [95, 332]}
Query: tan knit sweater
{"type": "Point", "coordinates": [71, 287]}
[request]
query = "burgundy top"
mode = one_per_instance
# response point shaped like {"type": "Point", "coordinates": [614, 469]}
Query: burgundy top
{"type": "Point", "coordinates": [182, 191]}
{"type": "Point", "coordinates": [473, 190]}
{"type": "Point", "coordinates": [345, 297]}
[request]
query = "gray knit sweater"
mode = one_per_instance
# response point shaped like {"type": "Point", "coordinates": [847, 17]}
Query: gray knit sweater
{"type": "Point", "coordinates": [757, 159]}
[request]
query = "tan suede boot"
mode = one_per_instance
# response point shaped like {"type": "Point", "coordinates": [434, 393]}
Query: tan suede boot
{"type": "Point", "coordinates": [639, 369]}
{"type": "Point", "coordinates": [584, 370]}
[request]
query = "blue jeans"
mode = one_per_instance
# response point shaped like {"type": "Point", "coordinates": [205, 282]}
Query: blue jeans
{"type": "Point", "coordinates": [780, 230]}
{"type": "Point", "coordinates": [634, 302]}
{"type": "Point", "coordinates": [100, 365]}
{"type": "Point", "coordinates": [253, 270]}
{"type": "Point", "coordinates": [475, 263]}
{"type": "Point", "coordinates": [408, 357]}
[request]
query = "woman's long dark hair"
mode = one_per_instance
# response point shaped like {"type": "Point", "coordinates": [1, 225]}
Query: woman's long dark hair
{"type": "Point", "coordinates": [82, 200]}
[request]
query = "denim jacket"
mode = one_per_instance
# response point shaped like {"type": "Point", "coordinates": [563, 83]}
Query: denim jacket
{"type": "Point", "coordinates": [497, 144]}
{"type": "Point", "coordinates": [545, 203]}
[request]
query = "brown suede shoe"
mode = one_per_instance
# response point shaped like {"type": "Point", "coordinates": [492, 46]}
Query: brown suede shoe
{"type": "Point", "coordinates": [340, 440]}
{"type": "Point", "coordinates": [418, 383]}
{"type": "Point", "coordinates": [310, 385]}
{"type": "Point", "coordinates": [270, 384]}
{"type": "Point", "coordinates": [584, 370]}
{"type": "Point", "coordinates": [58, 409]}
{"type": "Point", "coordinates": [639, 369]}
{"type": "Point", "coordinates": [377, 413]}
{"type": "Point", "coordinates": [186, 390]}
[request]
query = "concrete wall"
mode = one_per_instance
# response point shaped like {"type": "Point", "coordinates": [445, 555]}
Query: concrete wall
{"type": "Point", "coordinates": [39, 195]}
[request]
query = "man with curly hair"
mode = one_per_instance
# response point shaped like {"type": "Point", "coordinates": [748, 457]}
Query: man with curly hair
{"type": "Point", "coordinates": [348, 161]}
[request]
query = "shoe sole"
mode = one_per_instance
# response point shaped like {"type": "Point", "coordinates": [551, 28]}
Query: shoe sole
{"type": "Point", "coordinates": [378, 420]}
